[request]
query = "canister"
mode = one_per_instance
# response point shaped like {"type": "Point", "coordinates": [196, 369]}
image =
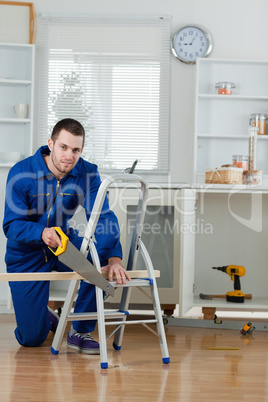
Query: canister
{"type": "Point", "coordinates": [224, 88]}
{"type": "Point", "coordinates": [258, 120]}
{"type": "Point", "coordinates": [253, 177]}
{"type": "Point", "coordinates": [240, 161]}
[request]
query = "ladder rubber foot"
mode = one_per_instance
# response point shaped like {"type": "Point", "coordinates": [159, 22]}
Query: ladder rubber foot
{"type": "Point", "coordinates": [104, 365]}
{"type": "Point", "coordinates": [116, 347]}
{"type": "Point", "coordinates": [53, 351]}
{"type": "Point", "coordinates": [166, 360]}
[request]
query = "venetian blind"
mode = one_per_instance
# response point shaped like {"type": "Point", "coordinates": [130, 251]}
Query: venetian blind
{"type": "Point", "coordinates": [113, 75]}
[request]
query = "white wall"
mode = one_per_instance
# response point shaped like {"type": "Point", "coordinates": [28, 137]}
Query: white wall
{"type": "Point", "coordinates": [239, 29]}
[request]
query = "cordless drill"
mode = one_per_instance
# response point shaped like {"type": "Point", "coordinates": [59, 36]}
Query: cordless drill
{"type": "Point", "coordinates": [234, 271]}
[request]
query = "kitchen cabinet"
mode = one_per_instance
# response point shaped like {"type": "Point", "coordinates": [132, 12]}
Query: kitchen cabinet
{"type": "Point", "coordinates": [17, 86]}
{"type": "Point", "coordinates": [225, 225]}
{"type": "Point", "coordinates": [219, 227]}
{"type": "Point", "coordinates": [221, 121]}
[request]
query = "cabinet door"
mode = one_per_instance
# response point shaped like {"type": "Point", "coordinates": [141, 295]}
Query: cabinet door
{"type": "Point", "coordinates": [160, 235]}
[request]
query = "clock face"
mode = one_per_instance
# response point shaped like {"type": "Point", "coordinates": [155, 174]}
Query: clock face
{"type": "Point", "coordinates": [191, 42]}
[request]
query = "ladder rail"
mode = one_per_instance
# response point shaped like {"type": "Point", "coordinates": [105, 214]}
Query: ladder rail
{"type": "Point", "coordinates": [98, 204]}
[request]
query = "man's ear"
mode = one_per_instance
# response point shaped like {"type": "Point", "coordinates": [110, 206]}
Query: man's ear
{"type": "Point", "coordinates": [50, 144]}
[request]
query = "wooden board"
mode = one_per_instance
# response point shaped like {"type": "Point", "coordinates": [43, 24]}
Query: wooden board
{"type": "Point", "coordinates": [61, 276]}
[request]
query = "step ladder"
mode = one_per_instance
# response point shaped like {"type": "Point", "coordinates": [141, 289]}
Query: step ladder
{"type": "Point", "coordinates": [117, 318]}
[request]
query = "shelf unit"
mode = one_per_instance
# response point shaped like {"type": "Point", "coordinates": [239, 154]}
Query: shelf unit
{"type": "Point", "coordinates": [17, 86]}
{"type": "Point", "coordinates": [221, 121]}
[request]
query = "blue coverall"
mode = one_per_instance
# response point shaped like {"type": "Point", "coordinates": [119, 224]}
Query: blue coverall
{"type": "Point", "coordinates": [35, 199]}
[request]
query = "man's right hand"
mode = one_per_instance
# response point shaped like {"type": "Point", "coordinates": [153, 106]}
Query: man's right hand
{"type": "Point", "coordinates": [51, 238]}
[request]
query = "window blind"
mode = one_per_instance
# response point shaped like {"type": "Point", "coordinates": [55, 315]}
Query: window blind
{"type": "Point", "coordinates": [113, 75]}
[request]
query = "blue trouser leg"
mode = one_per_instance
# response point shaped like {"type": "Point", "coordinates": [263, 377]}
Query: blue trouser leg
{"type": "Point", "coordinates": [30, 299]}
{"type": "Point", "coordinates": [30, 304]}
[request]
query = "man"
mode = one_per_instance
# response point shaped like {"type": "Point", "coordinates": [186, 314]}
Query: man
{"type": "Point", "coordinates": [43, 191]}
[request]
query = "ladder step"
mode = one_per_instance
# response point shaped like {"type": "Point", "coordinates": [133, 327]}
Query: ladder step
{"type": "Point", "coordinates": [93, 316]}
{"type": "Point", "coordinates": [141, 282]}
{"type": "Point", "coordinates": [131, 322]}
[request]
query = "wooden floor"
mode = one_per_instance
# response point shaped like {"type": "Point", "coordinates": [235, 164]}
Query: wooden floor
{"type": "Point", "coordinates": [136, 373]}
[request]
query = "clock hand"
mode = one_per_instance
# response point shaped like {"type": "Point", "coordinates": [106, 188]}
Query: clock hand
{"type": "Point", "coordinates": [189, 43]}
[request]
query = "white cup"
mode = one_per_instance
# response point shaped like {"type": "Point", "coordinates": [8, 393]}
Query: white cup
{"type": "Point", "coordinates": [21, 110]}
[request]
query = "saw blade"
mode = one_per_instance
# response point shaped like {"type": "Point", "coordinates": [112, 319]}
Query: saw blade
{"type": "Point", "coordinates": [75, 260]}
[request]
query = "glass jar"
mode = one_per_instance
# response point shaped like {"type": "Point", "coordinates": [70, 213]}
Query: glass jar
{"type": "Point", "coordinates": [241, 161]}
{"type": "Point", "coordinates": [258, 120]}
{"type": "Point", "coordinates": [224, 88]}
{"type": "Point", "coordinates": [252, 148]}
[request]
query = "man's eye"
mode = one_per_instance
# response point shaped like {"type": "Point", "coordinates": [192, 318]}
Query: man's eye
{"type": "Point", "coordinates": [76, 150]}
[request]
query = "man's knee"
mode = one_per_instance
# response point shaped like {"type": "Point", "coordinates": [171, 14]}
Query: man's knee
{"type": "Point", "coordinates": [31, 338]}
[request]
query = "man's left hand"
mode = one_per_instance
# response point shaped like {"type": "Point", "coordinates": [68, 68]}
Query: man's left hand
{"type": "Point", "coordinates": [115, 268]}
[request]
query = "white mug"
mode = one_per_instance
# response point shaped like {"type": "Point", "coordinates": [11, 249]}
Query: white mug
{"type": "Point", "coordinates": [21, 110]}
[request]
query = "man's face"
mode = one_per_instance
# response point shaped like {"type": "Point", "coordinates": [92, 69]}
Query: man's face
{"type": "Point", "coordinates": [65, 152]}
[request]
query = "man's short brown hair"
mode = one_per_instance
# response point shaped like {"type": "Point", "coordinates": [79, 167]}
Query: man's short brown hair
{"type": "Point", "coordinates": [71, 125]}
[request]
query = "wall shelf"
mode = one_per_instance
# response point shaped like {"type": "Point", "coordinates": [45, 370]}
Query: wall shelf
{"type": "Point", "coordinates": [16, 86]}
{"type": "Point", "coordinates": [222, 121]}
{"type": "Point", "coordinates": [9, 82]}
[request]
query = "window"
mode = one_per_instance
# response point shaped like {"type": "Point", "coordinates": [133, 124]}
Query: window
{"type": "Point", "coordinates": [113, 76]}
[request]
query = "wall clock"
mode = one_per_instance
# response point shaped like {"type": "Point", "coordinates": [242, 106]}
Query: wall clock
{"type": "Point", "coordinates": [190, 42]}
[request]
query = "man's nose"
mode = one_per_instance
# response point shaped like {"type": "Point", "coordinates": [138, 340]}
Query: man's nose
{"type": "Point", "coordinates": [69, 154]}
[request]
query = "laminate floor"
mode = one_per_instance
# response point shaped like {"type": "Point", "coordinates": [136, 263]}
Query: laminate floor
{"type": "Point", "coordinates": [236, 370]}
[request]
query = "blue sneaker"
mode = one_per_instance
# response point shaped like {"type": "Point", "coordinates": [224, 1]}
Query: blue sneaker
{"type": "Point", "coordinates": [54, 319]}
{"type": "Point", "coordinates": [84, 343]}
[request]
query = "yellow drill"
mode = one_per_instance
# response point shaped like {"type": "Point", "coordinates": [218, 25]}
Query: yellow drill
{"type": "Point", "coordinates": [234, 271]}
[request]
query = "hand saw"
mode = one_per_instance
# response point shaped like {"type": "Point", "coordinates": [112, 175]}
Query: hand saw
{"type": "Point", "coordinates": [69, 255]}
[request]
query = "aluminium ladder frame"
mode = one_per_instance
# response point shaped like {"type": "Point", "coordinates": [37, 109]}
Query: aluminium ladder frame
{"type": "Point", "coordinates": [121, 315]}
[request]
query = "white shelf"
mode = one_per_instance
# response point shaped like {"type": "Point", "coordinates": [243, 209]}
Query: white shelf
{"type": "Point", "coordinates": [231, 137]}
{"type": "Point", "coordinates": [255, 304]}
{"type": "Point", "coordinates": [6, 165]}
{"type": "Point", "coordinates": [14, 120]}
{"type": "Point", "coordinates": [9, 82]}
{"type": "Point", "coordinates": [229, 98]}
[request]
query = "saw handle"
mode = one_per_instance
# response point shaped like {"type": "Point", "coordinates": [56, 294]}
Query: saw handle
{"type": "Point", "coordinates": [64, 241]}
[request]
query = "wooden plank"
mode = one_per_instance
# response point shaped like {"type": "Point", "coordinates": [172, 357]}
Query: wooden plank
{"type": "Point", "coordinates": [62, 276]}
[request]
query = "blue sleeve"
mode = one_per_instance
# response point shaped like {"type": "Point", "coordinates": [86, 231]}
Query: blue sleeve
{"type": "Point", "coordinates": [107, 232]}
{"type": "Point", "coordinates": [17, 225]}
